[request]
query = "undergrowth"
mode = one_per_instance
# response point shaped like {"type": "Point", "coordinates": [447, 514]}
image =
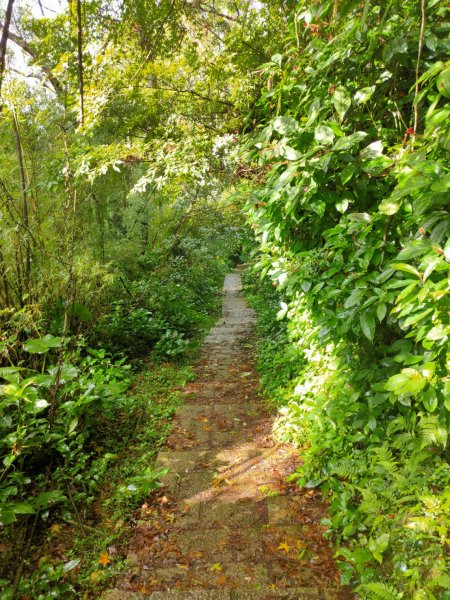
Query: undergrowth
{"type": "Point", "coordinates": [388, 487]}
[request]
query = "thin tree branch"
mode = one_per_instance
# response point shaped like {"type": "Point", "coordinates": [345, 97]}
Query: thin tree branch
{"type": "Point", "coordinates": [192, 92]}
{"type": "Point", "coordinates": [419, 55]}
{"type": "Point", "coordinates": [27, 47]}
{"type": "Point", "coordinates": [4, 42]}
{"type": "Point", "coordinates": [80, 60]}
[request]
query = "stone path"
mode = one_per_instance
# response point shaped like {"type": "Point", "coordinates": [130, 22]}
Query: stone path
{"type": "Point", "coordinates": [227, 526]}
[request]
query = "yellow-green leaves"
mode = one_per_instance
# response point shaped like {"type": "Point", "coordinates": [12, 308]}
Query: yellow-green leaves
{"type": "Point", "coordinates": [409, 381]}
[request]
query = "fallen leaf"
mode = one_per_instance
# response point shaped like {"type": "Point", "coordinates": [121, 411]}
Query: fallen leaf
{"type": "Point", "coordinates": [104, 559]}
{"type": "Point", "coordinates": [55, 528]}
{"type": "Point", "coordinates": [221, 481]}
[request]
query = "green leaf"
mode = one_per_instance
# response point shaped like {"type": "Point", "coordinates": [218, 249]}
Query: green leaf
{"type": "Point", "coordinates": [355, 297]}
{"type": "Point", "coordinates": [381, 311]}
{"type": "Point", "coordinates": [379, 545]}
{"type": "Point", "coordinates": [373, 150]}
{"type": "Point", "coordinates": [6, 517]}
{"type": "Point", "coordinates": [367, 322]}
{"type": "Point", "coordinates": [389, 206]}
{"type": "Point", "coordinates": [441, 185]}
{"type": "Point", "coordinates": [81, 311]}
{"type": "Point", "coordinates": [22, 508]}
{"type": "Point", "coordinates": [42, 345]}
{"type": "Point", "coordinates": [342, 206]}
{"type": "Point", "coordinates": [73, 424]}
{"type": "Point", "coordinates": [364, 94]}
{"type": "Point", "coordinates": [409, 381]}
{"type": "Point", "coordinates": [417, 317]}
{"type": "Point", "coordinates": [347, 173]}
{"type": "Point", "coordinates": [443, 82]}
{"type": "Point", "coordinates": [285, 125]}
{"type": "Point", "coordinates": [405, 267]}
{"type": "Point", "coordinates": [447, 250]}
{"type": "Point", "coordinates": [429, 399]}
{"type": "Point", "coordinates": [324, 134]}
{"type": "Point", "coordinates": [72, 564]}
{"type": "Point", "coordinates": [431, 265]}
{"type": "Point", "coordinates": [36, 346]}
{"type": "Point", "coordinates": [52, 341]}
{"type": "Point", "coordinates": [350, 141]}
{"type": "Point", "coordinates": [342, 101]}
{"type": "Point", "coordinates": [40, 404]}
{"type": "Point", "coordinates": [283, 311]}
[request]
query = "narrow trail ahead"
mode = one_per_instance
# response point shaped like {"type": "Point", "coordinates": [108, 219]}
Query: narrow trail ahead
{"type": "Point", "coordinates": [227, 525]}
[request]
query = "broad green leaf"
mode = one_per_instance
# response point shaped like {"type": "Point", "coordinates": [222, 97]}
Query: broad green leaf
{"type": "Point", "coordinates": [347, 173]}
{"type": "Point", "coordinates": [285, 125]}
{"type": "Point", "coordinates": [350, 141]}
{"type": "Point", "coordinates": [381, 311]}
{"type": "Point", "coordinates": [417, 317]}
{"type": "Point", "coordinates": [73, 424]}
{"type": "Point", "coordinates": [6, 517]}
{"type": "Point", "coordinates": [447, 251]}
{"type": "Point", "coordinates": [364, 94]}
{"type": "Point", "coordinates": [42, 345]}
{"type": "Point", "coordinates": [429, 399]}
{"type": "Point", "coordinates": [342, 206]}
{"type": "Point", "coordinates": [40, 405]}
{"type": "Point", "coordinates": [81, 311]}
{"type": "Point", "coordinates": [355, 297]}
{"type": "Point", "coordinates": [367, 322]}
{"type": "Point", "coordinates": [405, 267]}
{"type": "Point", "coordinates": [324, 134]}
{"type": "Point", "coordinates": [373, 150]}
{"type": "Point", "coordinates": [389, 206]}
{"type": "Point", "coordinates": [443, 82]}
{"type": "Point", "coordinates": [431, 265]}
{"type": "Point", "coordinates": [409, 381]}
{"type": "Point", "coordinates": [441, 185]}
{"type": "Point", "coordinates": [52, 341]}
{"type": "Point", "coordinates": [283, 311]}
{"type": "Point", "coordinates": [22, 508]}
{"type": "Point", "coordinates": [36, 346]}
{"type": "Point", "coordinates": [342, 101]}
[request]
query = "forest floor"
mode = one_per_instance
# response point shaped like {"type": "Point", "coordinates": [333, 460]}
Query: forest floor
{"type": "Point", "coordinates": [227, 525]}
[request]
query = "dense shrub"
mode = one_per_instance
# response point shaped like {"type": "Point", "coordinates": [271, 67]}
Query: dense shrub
{"type": "Point", "coordinates": [351, 213]}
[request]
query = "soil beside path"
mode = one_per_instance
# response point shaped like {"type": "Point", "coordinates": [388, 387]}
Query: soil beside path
{"type": "Point", "coordinates": [227, 526]}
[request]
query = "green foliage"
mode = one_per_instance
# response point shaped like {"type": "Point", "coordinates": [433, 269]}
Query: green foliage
{"type": "Point", "coordinates": [351, 214]}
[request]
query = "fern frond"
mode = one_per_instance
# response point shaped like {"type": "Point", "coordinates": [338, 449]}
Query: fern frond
{"type": "Point", "coordinates": [432, 432]}
{"type": "Point", "coordinates": [379, 591]}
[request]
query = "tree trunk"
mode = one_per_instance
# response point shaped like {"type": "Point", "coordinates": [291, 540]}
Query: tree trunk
{"type": "Point", "coordinates": [23, 190]}
{"type": "Point", "coordinates": [80, 60]}
{"type": "Point", "coordinates": [4, 43]}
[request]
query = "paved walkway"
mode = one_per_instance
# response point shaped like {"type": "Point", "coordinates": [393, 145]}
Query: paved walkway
{"type": "Point", "coordinates": [227, 526]}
